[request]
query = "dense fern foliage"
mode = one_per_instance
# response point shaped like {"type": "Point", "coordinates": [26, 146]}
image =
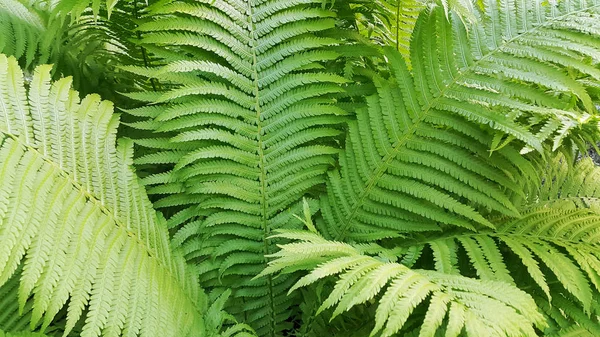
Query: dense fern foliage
{"type": "Point", "coordinates": [392, 22]}
{"type": "Point", "coordinates": [81, 42]}
{"type": "Point", "coordinates": [555, 240]}
{"type": "Point", "coordinates": [435, 151]}
{"type": "Point", "coordinates": [482, 308]}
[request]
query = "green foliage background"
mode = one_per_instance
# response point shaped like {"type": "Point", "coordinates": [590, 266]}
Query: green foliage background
{"type": "Point", "coordinates": [299, 168]}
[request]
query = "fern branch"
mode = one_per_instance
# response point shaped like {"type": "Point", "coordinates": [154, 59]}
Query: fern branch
{"type": "Point", "coordinates": [248, 127]}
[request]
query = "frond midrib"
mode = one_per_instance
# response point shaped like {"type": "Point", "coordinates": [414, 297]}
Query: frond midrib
{"type": "Point", "coordinates": [261, 166]}
{"type": "Point", "coordinates": [382, 168]}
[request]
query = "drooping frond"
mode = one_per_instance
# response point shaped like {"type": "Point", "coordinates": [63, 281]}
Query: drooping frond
{"type": "Point", "coordinates": [75, 222]}
{"type": "Point", "coordinates": [245, 127]}
{"type": "Point", "coordinates": [418, 156]}
{"type": "Point", "coordinates": [454, 303]}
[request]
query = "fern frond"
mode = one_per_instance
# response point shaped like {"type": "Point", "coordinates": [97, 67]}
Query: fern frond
{"type": "Point", "coordinates": [75, 219]}
{"type": "Point", "coordinates": [246, 124]}
{"type": "Point", "coordinates": [417, 156]}
{"type": "Point", "coordinates": [556, 240]}
{"type": "Point", "coordinates": [456, 303]}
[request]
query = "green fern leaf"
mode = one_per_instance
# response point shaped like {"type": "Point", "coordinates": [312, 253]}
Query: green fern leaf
{"type": "Point", "coordinates": [76, 226]}
{"type": "Point", "coordinates": [555, 240]}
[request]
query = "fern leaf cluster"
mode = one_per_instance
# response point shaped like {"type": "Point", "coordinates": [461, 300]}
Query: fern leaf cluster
{"type": "Point", "coordinates": [555, 240]}
{"type": "Point", "coordinates": [76, 223]}
{"type": "Point", "coordinates": [23, 33]}
{"type": "Point", "coordinates": [86, 46]}
{"type": "Point", "coordinates": [393, 22]}
{"type": "Point", "coordinates": [245, 124]}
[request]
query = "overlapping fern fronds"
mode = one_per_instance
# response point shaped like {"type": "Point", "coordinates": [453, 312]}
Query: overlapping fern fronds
{"type": "Point", "coordinates": [245, 127]}
{"type": "Point", "coordinates": [75, 219]}
{"type": "Point", "coordinates": [24, 34]}
{"type": "Point", "coordinates": [556, 240]}
{"type": "Point", "coordinates": [418, 156]}
{"type": "Point", "coordinates": [454, 303]}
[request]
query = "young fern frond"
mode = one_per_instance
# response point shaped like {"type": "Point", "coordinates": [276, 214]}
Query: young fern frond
{"type": "Point", "coordinates": [247, 124]}
{"type": "Point", "coordinates": [418, 157]}
{"type": "Point", "coordinates": [455, 303]}
{"type": "Point", "coordinates": [75, 222]}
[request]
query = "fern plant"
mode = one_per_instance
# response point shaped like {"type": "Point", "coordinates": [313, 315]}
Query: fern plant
{"type": "Point", "coordinates": [433, 148]}
{"type": "Point", "coordinates": [481, 308]}
{"type": "Point", "coordinates": [555, 241]}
